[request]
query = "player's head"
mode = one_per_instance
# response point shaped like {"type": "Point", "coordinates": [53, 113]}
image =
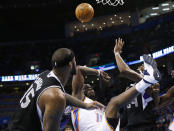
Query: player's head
{"type": "Point", "coordinates": [172, 74]}
{"type": "Point", "coordinates": [89, 91]}
{"type": "Point", "coordinates": [64, 57]}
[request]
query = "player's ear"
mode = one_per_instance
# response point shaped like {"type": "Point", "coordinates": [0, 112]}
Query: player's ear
{"type": "Point", "coordinates": [70, 64]}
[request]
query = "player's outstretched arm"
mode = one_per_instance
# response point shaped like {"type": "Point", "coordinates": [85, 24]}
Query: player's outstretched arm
{"type": "Point", "coordinates": [122, 66]}
{"type": "Point", "coordinates": [90, 71]}
{"type": "Point", "coordinates": [78, 79]}
{"type": "Point", "coordinates": [167, 98]}
{"type": "Point", "coordinates": [78, 103]}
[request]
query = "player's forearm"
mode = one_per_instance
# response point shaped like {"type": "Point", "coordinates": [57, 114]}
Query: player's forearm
{"type": "Point", "coordinates": [125, 70]}
{"type": "Point", "coordinates": [75, 102]}
{"type": "Point", "coordinates": [167, 98]}
{"type": "Point", "coordinates": [164, 101]}
{"type": "Point", "coordinates": [87, 70]}
{"type": "Point", "coordinates": [122, 66]}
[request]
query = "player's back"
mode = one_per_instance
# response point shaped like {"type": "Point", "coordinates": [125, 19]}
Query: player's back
{"type": "Point", "coordinates": [87, 120]}
{"type": "Point", "coordinates": [29, 116]}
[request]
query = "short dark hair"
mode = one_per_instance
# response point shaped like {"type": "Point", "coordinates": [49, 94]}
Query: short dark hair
{"type": "Point", "coordinates": [61, 57]}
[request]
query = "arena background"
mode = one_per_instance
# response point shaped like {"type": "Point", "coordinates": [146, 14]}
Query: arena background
{"type": "Point", "coordinates": [30, 30]}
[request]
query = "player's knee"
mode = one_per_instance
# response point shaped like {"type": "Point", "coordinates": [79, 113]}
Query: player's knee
{"type": "Point", "coordinates": [112, 108]}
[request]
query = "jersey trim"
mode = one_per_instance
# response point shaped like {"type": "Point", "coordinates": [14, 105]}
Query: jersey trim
{"type": "Point", "coordinates": [39, 112]}
{"type": "Point", "coordinates": [53, 75]}
{"type": "Point", "coordinates": [172, 121]}
{"type": "Point", "coordinates": [76, 118]}
{"type": "Point", "coordinates": [108, 124]}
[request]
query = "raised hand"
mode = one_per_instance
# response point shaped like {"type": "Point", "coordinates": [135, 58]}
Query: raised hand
{"type": "Point", "coordinates": [118, 45]}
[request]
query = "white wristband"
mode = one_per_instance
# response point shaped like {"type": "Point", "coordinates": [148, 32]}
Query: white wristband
{"type": "Point", "coordinates": [141, 86]}
{"type": "Point", "coordinates": [116, 53]}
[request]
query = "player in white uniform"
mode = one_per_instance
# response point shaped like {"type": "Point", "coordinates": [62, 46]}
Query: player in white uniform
{"type": "Point", "coordinates": [107, 120]}
{"type": "Point", "coordinates": [95, 120]}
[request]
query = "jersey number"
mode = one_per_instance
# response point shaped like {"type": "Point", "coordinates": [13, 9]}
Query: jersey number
{"type": "Point", "coordinates": [25, 101]}
{"type": "Point", "coordinates": [134, 102]}
{"type": "Point", "coordinates": [98, 117]}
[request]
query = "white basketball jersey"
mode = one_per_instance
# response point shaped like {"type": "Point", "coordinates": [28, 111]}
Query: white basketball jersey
{"type": "Point", "coordinates": [89, 120]}
{"type": "Point", "coordinates": [171, 126]}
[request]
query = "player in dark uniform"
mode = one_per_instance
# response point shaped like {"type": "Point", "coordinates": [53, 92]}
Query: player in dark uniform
{"type": "Point", "coordinates": [135, 118]}
{"type": "Point", "coordinates": [138, 115]}
{"type": "Point", "coordinates": [42, 105]}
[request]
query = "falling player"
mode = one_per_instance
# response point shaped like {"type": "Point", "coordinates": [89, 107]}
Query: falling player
{"type": "Point", "coordinates": [138, 115]}
{"type": "Point", "coordinates": [98, 120]}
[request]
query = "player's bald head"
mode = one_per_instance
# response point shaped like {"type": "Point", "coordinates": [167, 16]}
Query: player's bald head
{"type": "Point", "coordinates": [61, 57]}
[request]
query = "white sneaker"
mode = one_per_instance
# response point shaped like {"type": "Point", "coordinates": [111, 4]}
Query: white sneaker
{"type": "Point", "coordinates": [151, 72]}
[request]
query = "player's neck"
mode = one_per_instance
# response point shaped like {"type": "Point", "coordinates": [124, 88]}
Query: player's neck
{"type": "Point", "coordinates": [62, 74]}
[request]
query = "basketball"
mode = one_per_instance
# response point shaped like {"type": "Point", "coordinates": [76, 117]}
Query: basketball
{"type": "Point", "coordinates": [84, 12]}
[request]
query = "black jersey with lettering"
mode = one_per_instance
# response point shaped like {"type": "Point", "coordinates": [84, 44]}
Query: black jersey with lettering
{"type": "Point", "coordinates": [137, 116]}
{"type": "Point", "coordinates": [29, 116]}
{"type": "Point", "coordinates": [133, 114]}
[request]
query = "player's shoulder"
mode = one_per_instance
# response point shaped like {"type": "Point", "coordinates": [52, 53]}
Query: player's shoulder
{"type": "Point", "coordinates": [87, 100]}
{"type": "Point", "coordinates": [53, 94]}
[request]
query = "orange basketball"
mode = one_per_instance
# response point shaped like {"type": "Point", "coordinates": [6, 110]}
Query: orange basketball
{"type": "Point", "coordinates": [84, 12]}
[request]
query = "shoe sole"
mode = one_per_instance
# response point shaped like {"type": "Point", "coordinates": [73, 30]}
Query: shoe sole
{"type": "Point", "coordinates": [149, 60]}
